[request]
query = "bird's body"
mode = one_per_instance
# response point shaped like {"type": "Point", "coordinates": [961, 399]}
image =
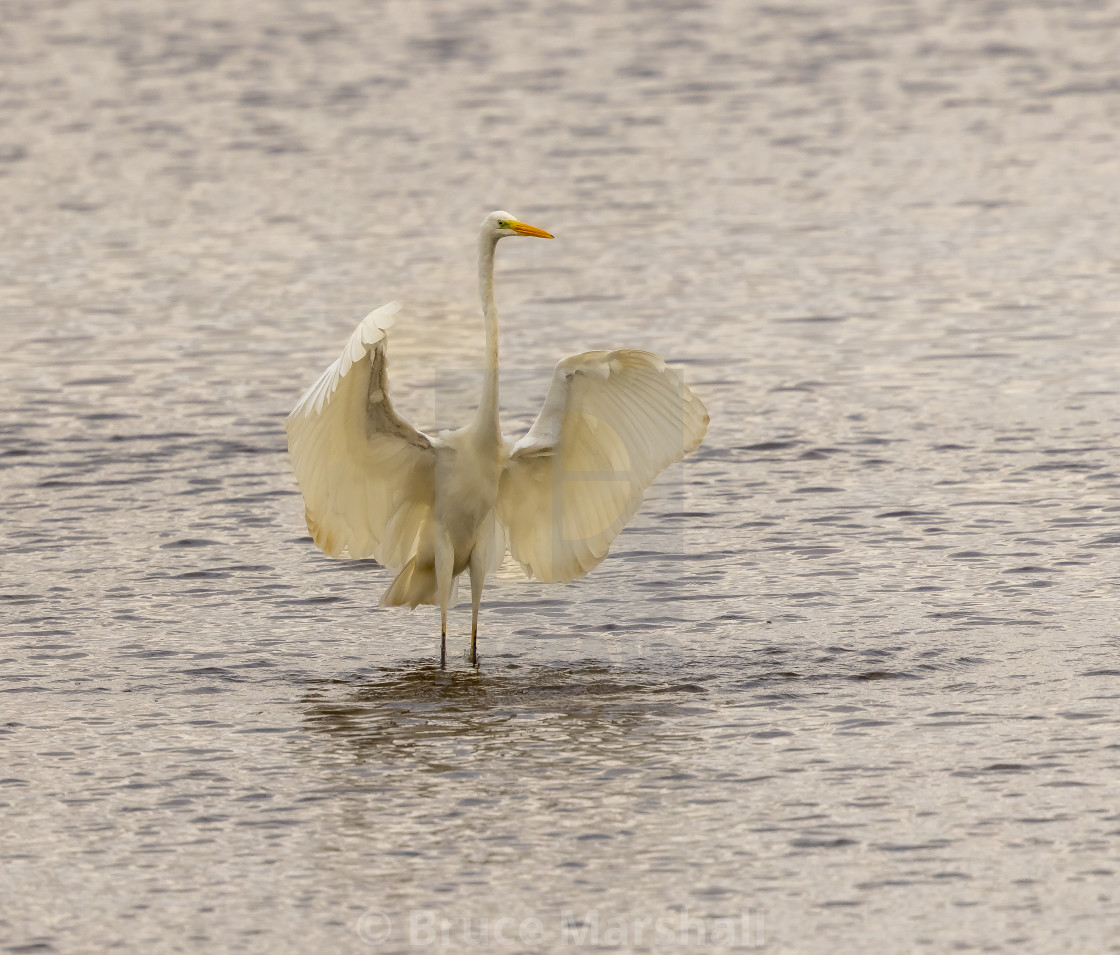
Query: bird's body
{"type": "Point", "coordinates": [432, 507]}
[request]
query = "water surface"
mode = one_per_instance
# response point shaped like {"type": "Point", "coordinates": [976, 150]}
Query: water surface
{"type": "Point", "coordinates": [849, 683]}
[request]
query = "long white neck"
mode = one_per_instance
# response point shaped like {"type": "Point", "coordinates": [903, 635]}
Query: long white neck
{"type": "Point", "coordinates": [487, 414]}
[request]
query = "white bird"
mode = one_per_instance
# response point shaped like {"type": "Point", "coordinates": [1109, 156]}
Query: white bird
{"type": "Point", "coordinates": [431, 506]}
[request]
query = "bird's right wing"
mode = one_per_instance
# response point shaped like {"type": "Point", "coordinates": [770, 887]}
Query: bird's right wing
{"type": "Point", "coordinates": [612, 421]}
{"type": "Point", "coordinates": [366, 474]}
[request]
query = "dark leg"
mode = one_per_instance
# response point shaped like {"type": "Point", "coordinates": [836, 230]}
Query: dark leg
{"type": "Point", "coordinates": [445, 558]}
{"type": "Point", "coordinates": [478, 577]}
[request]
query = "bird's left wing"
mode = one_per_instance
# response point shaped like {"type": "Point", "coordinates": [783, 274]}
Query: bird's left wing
{"type": "Point", "coordinates": [366, 474]}
{"type": "Point", "coordinates": [612, 421]}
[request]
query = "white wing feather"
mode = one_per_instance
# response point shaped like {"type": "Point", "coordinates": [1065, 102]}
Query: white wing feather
{"type": "Point", "coordinates": [612, 421]}
{"type": "Point", "coordinates": [367, 476]}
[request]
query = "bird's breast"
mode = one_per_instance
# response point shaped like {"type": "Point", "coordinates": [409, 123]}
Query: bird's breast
{"type": "Point", "coordinates": [466, 491]}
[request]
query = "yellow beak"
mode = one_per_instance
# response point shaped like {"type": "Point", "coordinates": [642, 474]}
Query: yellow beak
{"type": "Point", "coordinates": [523, 228]}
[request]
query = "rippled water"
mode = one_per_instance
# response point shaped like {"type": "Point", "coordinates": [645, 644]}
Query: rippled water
{"type": "Point", "coordinates": [850, 681]}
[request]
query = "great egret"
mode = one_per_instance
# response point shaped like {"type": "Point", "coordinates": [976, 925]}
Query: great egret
{"type": "Point", "coordinates": [432, 506]}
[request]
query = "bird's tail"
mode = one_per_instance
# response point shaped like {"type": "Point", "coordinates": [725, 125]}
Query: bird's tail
{"type": "Point", "coordinates": [415, 584]}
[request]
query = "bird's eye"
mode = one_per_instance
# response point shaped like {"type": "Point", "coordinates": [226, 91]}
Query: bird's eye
{"type": "Point", "coordinates": [503, 224]}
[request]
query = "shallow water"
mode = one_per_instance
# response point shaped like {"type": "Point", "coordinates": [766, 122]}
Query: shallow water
{"type": "Point", "coordinates": [848, 684]}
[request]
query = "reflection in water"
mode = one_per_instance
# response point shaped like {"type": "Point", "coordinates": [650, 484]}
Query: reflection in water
{"type": "Point", "coordinates": [448, 721]}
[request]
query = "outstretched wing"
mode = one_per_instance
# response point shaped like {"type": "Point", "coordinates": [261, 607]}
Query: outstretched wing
{"type": "Point", "coordinates": [366, 474]}
{"type": "Point", "coordinates": [612, 421]}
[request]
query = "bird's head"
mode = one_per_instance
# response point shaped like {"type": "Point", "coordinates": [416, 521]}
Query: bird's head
{"type": "Point", "coordinates": [500, 224]}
